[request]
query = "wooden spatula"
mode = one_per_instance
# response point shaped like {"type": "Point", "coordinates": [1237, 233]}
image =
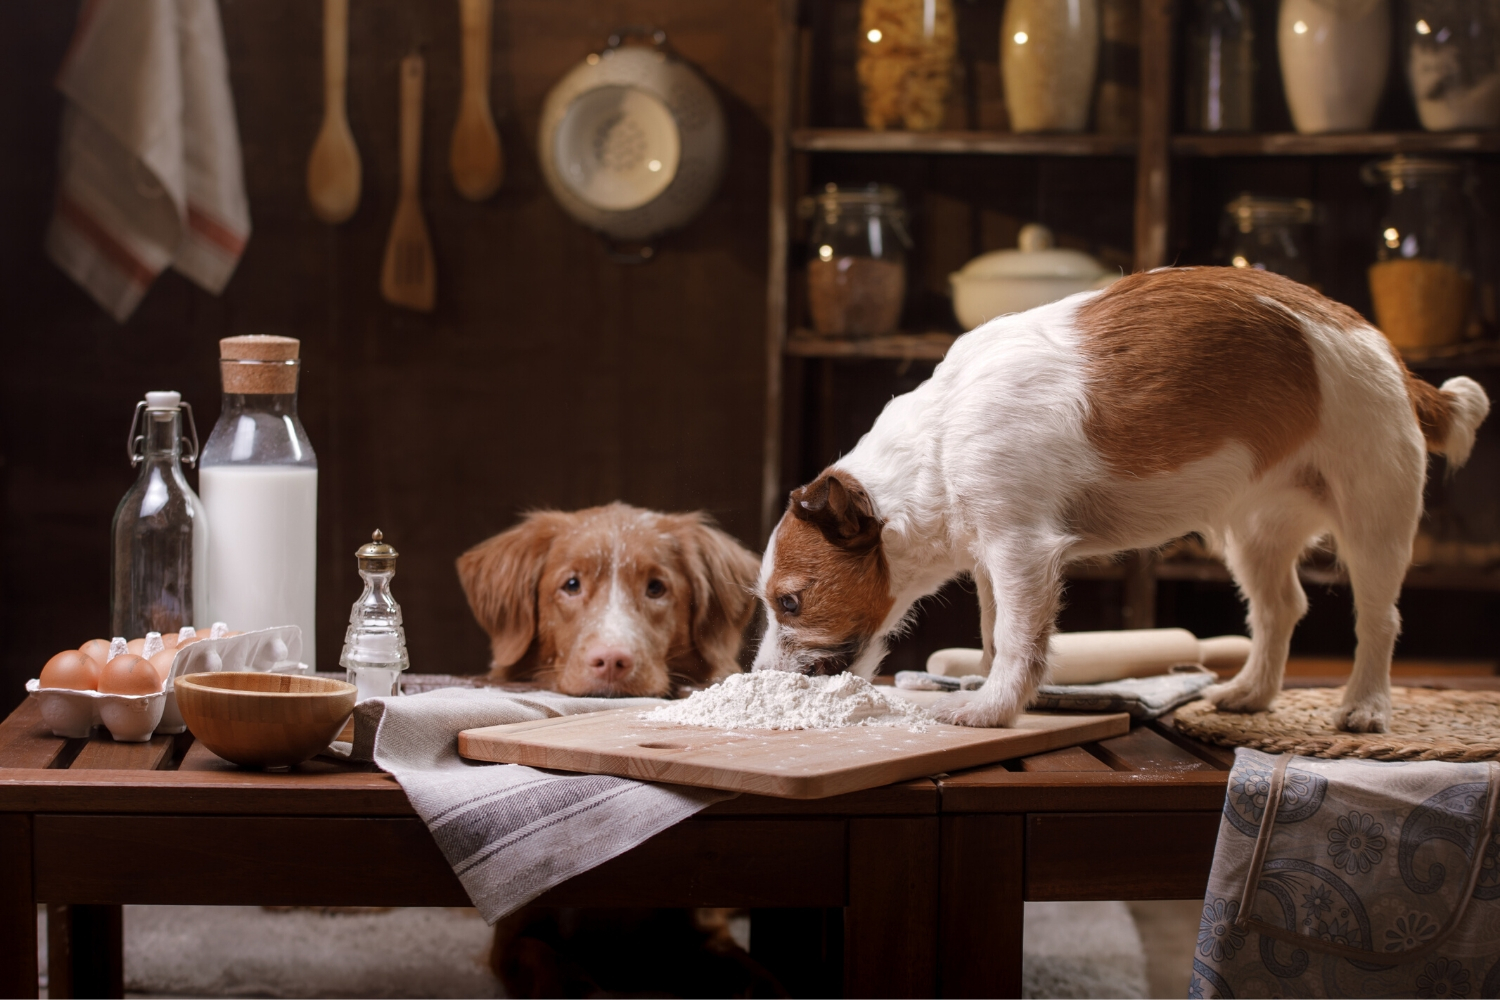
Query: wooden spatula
{"type": "Point", "coordinates": [333, 171]}
{"type": "Point", "coordinates": [408, 277]}
{"type": "Point", "coordinates": [475, 157]}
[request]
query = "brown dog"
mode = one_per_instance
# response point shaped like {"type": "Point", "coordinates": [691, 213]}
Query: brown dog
{"type": "Point", "coordinates": [612, 600]}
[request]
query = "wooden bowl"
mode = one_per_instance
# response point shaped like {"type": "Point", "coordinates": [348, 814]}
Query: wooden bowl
{"type": "Point", "coordinates": [264, 720]}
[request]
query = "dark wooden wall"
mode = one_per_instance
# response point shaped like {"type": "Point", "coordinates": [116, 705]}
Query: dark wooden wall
{"type": "Point", "coordinates": [547, 375]}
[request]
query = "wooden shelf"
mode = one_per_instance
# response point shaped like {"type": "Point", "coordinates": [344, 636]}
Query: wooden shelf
{"type": "Point", "coordinates": [1474, 354]}
{"type": "Point", "coordinates": [1340, 144]}
{"type": "Point", "coordinates": [1417, 577]}
{"type": "Point", "coordinates": [858, 140]}
{"type": "Point", "coordinates": [896, 346]}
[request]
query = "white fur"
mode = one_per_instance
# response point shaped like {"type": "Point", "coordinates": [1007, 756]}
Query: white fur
{"type": "Point", "coordinates": [975, 471]}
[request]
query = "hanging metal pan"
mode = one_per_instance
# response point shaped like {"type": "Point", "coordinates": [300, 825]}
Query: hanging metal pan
{"type": "Point", "coordinates": [633, 141]}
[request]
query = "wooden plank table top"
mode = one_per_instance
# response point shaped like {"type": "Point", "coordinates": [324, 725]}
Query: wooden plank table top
{"type": "Point", "coordinates": [930, 874]}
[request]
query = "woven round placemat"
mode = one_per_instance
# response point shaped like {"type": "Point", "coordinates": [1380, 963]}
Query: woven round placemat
{"type": "Point", "coordinates": [1425, 725]}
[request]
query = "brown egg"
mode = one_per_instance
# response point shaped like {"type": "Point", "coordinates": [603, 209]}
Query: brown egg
{"type": "Point", "coordinates": [136, 646]}
{"type": "Point", "coordinates": [129, 674]}
{"type": "Point", "coordinates": [71, 669]}
{"type": "Point", "coordinates": [163, 663]}
{"type": "Point", "coordinates": [169, 640]}
{"type": "Point", "coordinates": [98, 649]}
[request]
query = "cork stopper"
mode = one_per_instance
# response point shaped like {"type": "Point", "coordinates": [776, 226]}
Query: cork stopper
{"type": "Point", "coordinates": [259, 364]}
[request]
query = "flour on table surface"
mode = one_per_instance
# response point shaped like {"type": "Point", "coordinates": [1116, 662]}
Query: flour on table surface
{"type": "Point", "coordinates": [774, 699]}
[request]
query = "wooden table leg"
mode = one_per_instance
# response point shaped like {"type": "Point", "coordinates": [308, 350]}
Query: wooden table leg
{"type": "Point", "coordinates": [17, 908]}
{"type": "Point", "coordinates": [891, 921]}
{"type": "Point", "coordinates": [982, 902]}
{"type": "Point", "coordinates": [85, 951]}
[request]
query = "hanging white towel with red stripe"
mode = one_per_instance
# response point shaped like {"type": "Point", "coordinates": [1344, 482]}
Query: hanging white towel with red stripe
{"type": "Point", "coordinates": [150, 174]}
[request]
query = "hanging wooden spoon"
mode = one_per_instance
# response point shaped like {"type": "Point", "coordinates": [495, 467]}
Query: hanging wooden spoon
{"type": "Point", "coordinates": [475, 157]}
{"type": "Point", "coordinates": [333, 171]}
{"type": "Point", "coordinates": [408, 277]}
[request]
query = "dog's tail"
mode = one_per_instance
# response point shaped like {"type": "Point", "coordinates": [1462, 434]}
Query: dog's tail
{"type": "Point", "coordinates": [1449, 416]}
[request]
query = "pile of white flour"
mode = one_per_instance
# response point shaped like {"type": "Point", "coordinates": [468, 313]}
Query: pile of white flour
{"type": "Point", "coordinates": [774, 699]}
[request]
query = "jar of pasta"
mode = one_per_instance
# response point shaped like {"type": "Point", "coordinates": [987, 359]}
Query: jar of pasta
{"type": "Point", "coordinates": [905, 66]}
{"type": "Point", "coordinates": [856, 264]}
{"type": "Point", "coordinates": [1422, 281]}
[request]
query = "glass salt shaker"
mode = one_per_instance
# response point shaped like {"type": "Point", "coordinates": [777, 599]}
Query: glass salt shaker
{"type": "Point", "coordinates": [159, 559]}
{"type": "Point", "coordinates": [375, 645]}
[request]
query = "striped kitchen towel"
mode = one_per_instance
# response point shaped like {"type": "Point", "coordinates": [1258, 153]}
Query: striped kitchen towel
{"type": "Point", "coordinates": [512, 832]}
{"type": "Point", "coordinates": [149, 165]}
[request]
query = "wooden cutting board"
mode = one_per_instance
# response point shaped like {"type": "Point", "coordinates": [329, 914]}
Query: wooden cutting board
{"type": "Point", "coordinates": [794, 764]}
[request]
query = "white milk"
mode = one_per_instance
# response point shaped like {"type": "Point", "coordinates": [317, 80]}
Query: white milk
{"type": "Point", "coordinates": [262, 552]}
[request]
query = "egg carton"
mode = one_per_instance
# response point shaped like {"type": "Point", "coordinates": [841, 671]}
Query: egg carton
{"type": "Point", "coordinates": [134, 718]}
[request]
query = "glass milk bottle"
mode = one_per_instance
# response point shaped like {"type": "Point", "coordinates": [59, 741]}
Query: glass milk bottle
{"type": "Point", "coordinates": [159, 561]}
{"type": "Point", "coordinates": [259, 479]}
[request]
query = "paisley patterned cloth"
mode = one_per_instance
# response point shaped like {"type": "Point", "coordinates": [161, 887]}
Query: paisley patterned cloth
{"type": "Point", "coordinates": [1366, 879]}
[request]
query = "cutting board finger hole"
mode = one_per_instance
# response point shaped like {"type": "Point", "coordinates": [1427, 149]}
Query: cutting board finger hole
{"type": "Point", "coordinates": [661, 746]}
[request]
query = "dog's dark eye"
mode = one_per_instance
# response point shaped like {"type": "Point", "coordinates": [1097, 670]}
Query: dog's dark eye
{"type": "Point", "coordinates": [571, 587]}
{"type": "Point", "coordinates": [655, 588]}
{"type": "Point", "coordinates": [789, 603]}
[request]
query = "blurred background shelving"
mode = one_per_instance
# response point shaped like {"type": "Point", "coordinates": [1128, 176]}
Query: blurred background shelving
{"type": "Point", "coordinates": [1143, 199]}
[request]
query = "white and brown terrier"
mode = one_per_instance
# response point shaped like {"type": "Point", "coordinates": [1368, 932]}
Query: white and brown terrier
{"type": "Point", "coordinates": [1233, 403]}
{"type": "Point", "coordinates": [612, 600]}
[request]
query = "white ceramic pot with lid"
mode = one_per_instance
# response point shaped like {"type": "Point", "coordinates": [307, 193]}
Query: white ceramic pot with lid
{"type": "Point", "coordinates": [632, 141]}
{"type": "Point", "coordinates": [1010, 281]}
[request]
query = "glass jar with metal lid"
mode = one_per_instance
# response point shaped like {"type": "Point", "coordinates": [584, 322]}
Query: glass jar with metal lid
{"type": "Point", "coordinates": [856, 264]}
{"type": "Point", "coordinates": [1270, 234]}
{"type": "Point", "coordinates": [1422, 281]}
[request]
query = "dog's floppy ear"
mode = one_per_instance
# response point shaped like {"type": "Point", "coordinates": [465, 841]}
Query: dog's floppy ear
{"type": "Point", "coordinates": [838, 506]}
{"type": "Point", "coordinates": [500, 577]}
{"type": "Point", "coordinates": [721, 573]}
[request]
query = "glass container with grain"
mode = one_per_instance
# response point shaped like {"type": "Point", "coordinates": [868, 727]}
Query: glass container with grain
{"type": "Point", "coordinates": [856, 264]}
{"type": "Point", "coordinates": [1422, 281]}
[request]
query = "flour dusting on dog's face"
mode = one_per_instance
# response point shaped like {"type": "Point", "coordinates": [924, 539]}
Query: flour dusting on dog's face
{"type": "Point", "coordinates": [824, 580]}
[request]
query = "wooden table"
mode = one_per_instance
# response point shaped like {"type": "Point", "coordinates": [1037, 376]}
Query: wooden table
{"type": "Point", "coordinates": [926, 878]}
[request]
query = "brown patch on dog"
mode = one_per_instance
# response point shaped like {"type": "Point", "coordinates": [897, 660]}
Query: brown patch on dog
{"type": "Point", "coordinates": [1179, 361]}
{"type": "Point", "coordinates": [829, 558]}
{"type": "Point", "coordinates": [1311, 480]}
{"type": "Point", "coordinates": [1433, 409]}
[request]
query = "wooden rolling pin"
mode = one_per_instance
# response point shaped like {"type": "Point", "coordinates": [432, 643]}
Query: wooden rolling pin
{"type": "Point", "coordinates": [1092, 657]}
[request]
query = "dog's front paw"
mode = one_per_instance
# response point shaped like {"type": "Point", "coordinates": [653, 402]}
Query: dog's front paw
{"type": "Point", "coordinates": [966, 708]}
{"type": "Point", "coordinates": [1367, 715]}
{"type": "Point", "coordinates": [1232, 696]}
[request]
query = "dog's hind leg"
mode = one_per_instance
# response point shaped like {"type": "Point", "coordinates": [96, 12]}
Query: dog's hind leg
{"type": "Point", "coordinates": [1375, 546]}
{"type": "Point", "coordinates": [1022, 586]}
{"type": "Point", "coordinates": [1263, 555]}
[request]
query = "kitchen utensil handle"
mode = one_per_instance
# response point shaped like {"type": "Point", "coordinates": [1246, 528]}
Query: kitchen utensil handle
{"type": "Point", "coordinates": [412, 70]}
{"type": "Point", "coordinates": [475, 17]}
{"type": "Point", "coordinates": [335, 54]}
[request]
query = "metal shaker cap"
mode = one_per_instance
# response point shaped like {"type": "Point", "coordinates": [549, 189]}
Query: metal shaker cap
{"type": "Point", "coordinates": [376, 556]}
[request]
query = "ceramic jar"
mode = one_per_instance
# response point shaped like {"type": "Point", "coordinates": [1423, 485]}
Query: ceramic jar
{"type": "Point", "coordinates": [1452, 60]}
{"type": "Point", "coordinates": [1334, 55]}
{"type": "Point", "coordinates": [1049, 54]}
